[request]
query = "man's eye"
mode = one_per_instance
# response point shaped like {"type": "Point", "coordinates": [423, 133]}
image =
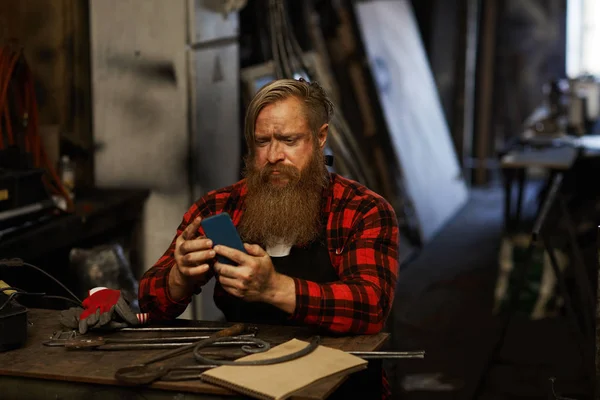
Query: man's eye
{"type": "Point", "coordinates": [261, 142]}
{"type": "Point", "coordinates": [289, 141]}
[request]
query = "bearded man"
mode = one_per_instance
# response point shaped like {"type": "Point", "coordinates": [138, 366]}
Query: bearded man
{"type": "Point", "coordinates": [322, 249]}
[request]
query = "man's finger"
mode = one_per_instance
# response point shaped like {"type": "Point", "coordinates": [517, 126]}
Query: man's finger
{"type": "Point", "coordinates": [197, 257]}
{"type": "Point", "coordinates": [193, 245]}
{"type": "Point", "coordinates": [234, 255]}
{"type": "Point", "coordinates": [194, 271]}
{"type": "Point", "coordinates": [231, 285]}
{"type": "Point", "coordinates": [254, 250]}
{"type": "Point", "coordinates": [191, 231]}
{"type": "Point", "coordinates": [228, 270]}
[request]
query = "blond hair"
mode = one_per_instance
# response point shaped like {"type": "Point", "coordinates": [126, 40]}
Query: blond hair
{"type": "Point", "coordinates": [319, 109]}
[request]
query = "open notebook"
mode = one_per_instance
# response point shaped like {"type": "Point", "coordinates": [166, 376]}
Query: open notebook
{"type": "Point", "coordinates": [279, 381]}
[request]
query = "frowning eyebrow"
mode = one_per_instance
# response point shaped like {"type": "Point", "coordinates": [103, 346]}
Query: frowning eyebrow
{"type": "Point", "coordinates": [281, 136]}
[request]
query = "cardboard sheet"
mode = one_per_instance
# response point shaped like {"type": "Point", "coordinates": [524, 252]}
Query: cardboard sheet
{"type": "Point", "coordinates": [279, 381]}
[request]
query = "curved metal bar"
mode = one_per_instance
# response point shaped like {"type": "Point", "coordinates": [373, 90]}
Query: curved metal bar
{"type": "Point", "coordinates": [276, 360]}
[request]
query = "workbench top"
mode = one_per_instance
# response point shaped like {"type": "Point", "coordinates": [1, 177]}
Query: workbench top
{"type": "Point", "coordinates": [40, 362]}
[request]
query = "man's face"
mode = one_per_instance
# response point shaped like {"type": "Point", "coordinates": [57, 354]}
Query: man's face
{"type": "Point", "coordinates": [284, 142]}
{"type": "Point", "coordinates": [285, 177]}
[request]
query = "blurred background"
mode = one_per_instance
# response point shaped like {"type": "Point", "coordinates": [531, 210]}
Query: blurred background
{"type": "Point", "coordinates": [476, 119]}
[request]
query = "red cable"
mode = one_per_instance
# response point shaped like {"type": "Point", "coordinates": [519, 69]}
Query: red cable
{"type": "Point", "coordinates": [3, 95]}
{"type": "Point", "coordinates": [26, 106]}
{"type": "Point", "coordinates": [8, 125]}
{"type": "Point", "coordinates": [1, 80]}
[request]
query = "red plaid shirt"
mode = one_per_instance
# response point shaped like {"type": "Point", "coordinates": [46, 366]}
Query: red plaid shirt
{"type": "Point", "coordinates": [362, 237]}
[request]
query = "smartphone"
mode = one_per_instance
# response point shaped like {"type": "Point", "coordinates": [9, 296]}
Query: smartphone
{"type": "Point", "coordinates": [220, 229]}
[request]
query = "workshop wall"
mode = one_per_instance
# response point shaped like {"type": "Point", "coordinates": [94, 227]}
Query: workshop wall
{"type": "Point", "coordinates": [127, 64]}
{"type": "Point", "coordinates": [54, 37]}
{"type": "Point", "coordinates": [140, 109]}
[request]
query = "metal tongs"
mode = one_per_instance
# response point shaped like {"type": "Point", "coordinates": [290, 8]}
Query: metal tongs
{"type": "Point", "coordinates": [145, 373]}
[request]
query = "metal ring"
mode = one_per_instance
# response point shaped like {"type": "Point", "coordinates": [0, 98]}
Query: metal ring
{"type": "Point", "coordinates": [204, 360]}
{"type": "Point", "coordinates": [261, 346]}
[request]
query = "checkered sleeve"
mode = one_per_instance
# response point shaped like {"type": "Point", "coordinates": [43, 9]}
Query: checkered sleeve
{"type": "Point", "coordinates": [154, 296]}
{"type": "Point", "coordinates": [360, 301]}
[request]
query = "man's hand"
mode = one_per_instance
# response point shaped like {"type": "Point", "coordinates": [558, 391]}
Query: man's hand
{"type": "Point", "coordinates": [255, 278]}
{"type": "Point", "coordinates": [192, 255]}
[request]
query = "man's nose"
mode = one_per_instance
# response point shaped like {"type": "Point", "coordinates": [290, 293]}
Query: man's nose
{"type": "Point", "coordinates": [275, 152]}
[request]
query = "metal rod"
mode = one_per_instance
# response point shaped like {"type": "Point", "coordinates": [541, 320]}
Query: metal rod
{"type": "Point", "coordinates": [577, 329]}
{"type": "Point", "coordinates": [194, 371]}
{"type": "Point", "coordinates": [548, 203]}
{"type": "Point", "coordinates": [386, 355]}
{"type": "Point", "coordinates": [175, 329]}
{"type": "Point", "coordinates": [176, 340]}
{"type": "Point", "coordinates": [163, 346]}
{"type": "Point", "coordinates": [586, 297]}
{"type": "Point", "coordinates": [381, 355]}
{"type": "Point", "coordinates": [234, 330]}
{"type": "Point", "coordinates": [92, 343]}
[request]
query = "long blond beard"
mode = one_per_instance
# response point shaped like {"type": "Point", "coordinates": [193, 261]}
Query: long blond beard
{"type": "Point", "coordinates": [288, 214]}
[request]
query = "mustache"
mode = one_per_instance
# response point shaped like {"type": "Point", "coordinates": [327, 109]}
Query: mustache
{"type": "Point", "coordinates": [289, 171]}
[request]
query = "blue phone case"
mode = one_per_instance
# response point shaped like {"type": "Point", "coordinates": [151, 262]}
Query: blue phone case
{"type": "Point", "coordinates": [220, 229]}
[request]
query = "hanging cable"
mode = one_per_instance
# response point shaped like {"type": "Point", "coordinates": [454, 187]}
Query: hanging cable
{"type": "Point", "coordinates": [279, 74]}
{"type": "Point", "coordinates": [8, 66]}
{"type": "Point", "coordinates": [19, 105]}
{"type": "Point", "coordinates": [283, 39]}
{"type": "Point", "coordinates": [17, 262]}
{"type": "Point", "coordinates": [293, 44]}
{"type": "Point", "coordinates": [288, 59]}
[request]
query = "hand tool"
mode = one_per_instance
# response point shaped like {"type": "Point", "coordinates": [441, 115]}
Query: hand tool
{"type": "Point", "coordinates": [194, 371]}
{"type": "Point", "coordinates": [108, 343]}
{"type": "Point", "coordinates": [186, 372]}
{"type": "Point", "coordinates": [64, 338]}
{"type": "Point", "coordinates": [182, 329]}
{"type": "Point", "coordinates": [60, 337]}
{"type": "Point", "coordinates": [236, 341]}
{"type": "Point", "coordinates": [144, 374]}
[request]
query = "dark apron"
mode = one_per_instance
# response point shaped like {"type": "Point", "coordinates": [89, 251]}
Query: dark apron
{"type": "Point", "coordinates": [311, 263]}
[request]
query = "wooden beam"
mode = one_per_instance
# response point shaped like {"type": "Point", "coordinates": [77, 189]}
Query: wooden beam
{"type": "Point", "coordinates": [484, 136]}
{"type": "Point", "coordinates": [465, 76]}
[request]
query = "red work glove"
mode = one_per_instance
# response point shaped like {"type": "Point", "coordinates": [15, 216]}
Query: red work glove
{"type": "Point", "coordinates": [103, 308]}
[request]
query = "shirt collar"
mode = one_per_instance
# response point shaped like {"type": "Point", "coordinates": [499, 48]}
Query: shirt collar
{"type": "Point", "coordinates": [328, 196]}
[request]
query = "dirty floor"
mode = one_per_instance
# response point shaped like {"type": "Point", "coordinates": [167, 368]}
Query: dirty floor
{"type": "Point", "coordinates": [443, 305]}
